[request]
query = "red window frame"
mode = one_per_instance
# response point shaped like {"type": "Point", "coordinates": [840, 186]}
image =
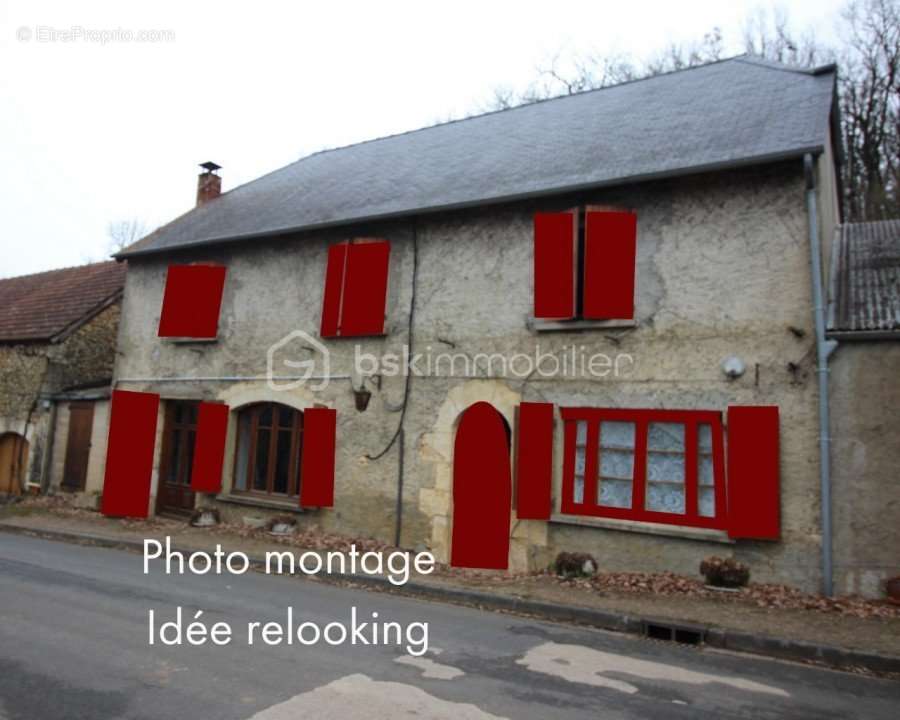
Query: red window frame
{"type": "Point", "coordinates": [642, 418]}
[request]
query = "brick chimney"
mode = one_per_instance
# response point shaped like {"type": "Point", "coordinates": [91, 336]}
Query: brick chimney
{"type": "Point", "coordinates": [209, 185]}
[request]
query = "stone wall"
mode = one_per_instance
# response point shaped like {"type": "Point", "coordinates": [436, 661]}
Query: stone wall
{"type": "Point", "coordinates": [865, 417]}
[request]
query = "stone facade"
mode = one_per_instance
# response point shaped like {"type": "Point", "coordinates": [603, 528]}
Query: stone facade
{"type": "Point", "coordinates": [722, 270]}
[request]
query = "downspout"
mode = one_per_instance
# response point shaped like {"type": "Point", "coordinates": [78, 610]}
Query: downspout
{"type": "Point", "coordinates": [824, 348]}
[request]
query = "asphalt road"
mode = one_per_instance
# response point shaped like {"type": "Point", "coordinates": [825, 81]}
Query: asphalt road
{"type": "Point", "coordinates": [74, 643]}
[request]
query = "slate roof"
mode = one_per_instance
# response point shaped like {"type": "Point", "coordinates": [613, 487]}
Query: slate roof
{"type": "Point", "coordinates": [43, 306]}
{"type": "Point", "coordinates": [865, 281]}
{"type": "Point", "coordinates": [736, 111]}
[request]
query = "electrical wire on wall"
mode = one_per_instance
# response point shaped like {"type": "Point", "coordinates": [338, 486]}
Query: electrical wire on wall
{"type": "Point", "coordinates": [409, 340]}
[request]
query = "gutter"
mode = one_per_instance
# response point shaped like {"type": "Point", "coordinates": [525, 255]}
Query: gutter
{"type": "Point", "coordinates": [824, 348]}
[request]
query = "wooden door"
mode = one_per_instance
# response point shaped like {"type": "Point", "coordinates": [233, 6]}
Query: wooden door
{"type": "Point", "coordinates": [78, 445]}
{"type": "Point", "coordinates": [174, 493]}
{"type": "Point", "coordinates": [13, 458]}
{"type": "Point", "coordinates": [482, 490]}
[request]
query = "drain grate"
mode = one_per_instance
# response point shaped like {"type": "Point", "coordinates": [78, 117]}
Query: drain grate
{"type": "Point", "coordinates": [674, 633]}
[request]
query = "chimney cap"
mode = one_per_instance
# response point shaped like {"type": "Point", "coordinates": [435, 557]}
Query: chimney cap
{"type": "Point", "coordinates": [210, 166]}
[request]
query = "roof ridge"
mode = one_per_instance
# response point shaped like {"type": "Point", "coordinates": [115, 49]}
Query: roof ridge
{"type": "Point", "coordinates": [56, 270]}
{"type": "Point", "coordinates": [761, 61]}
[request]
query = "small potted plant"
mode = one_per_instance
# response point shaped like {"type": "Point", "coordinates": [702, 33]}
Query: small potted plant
{"type": "Point", "coordinates": [724, 573]}
{"type": "Point", "coordinates": [571, 564]}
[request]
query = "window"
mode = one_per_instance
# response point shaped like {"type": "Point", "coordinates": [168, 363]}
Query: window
{"type": "Point", "coordinates": [191, 301]}
{"type": "Point", "coordinates": [663, 466]}
{"type": "Point", "coordinates": [356, 283]}
{"type": "Point", "coordinates": [584, 265]}
{"type": "Point", "coordinates": [269, 444]}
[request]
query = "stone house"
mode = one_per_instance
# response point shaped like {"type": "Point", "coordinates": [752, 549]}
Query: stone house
{"type": "Point", "coordinates": [57, 350]}
{"type": "Point", "coordinates": [607, 302]}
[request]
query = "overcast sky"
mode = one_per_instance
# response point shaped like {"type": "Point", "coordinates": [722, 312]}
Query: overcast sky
{"type": "Point", "coordinates": [93, 132]}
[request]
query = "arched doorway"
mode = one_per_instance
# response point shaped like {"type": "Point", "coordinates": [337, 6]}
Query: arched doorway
{"type": "Point", "coordinates": [13, 458]}
{"type": "Point", "coordinates": [482, 490]}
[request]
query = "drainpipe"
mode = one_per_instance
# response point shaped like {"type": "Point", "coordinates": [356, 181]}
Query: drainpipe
{"type": "Point", "coordinates": [824, 348]}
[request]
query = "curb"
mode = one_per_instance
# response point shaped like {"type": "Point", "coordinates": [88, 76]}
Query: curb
{"type": "Point", "coordinates": [714, 637]}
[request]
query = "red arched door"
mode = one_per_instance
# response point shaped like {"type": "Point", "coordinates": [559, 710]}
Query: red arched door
{"type": "Point", "coordinates": [482, 490]}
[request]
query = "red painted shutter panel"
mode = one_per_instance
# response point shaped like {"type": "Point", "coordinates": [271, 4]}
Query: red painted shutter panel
{"type": "Point", "coordinates": [317, 460]}
{"type": "Point", "coordinates": [534, 461]}
{"type": "Point", "coordinates": [753, 494]}
{"type": "Point", "coordinates": [129, 454]}
{"type": "Point", "coordinates": [334, 284]}
{"type": "Point", "coordinates": [365, 289]}
{"type": "Point", "coordinates": [610, 250]}
{"type": "Point", "coordinates": [555, 249]}
{"type": "Point", "coordinates": [192, 301]}
{"type": "Point", "coordinates": [209, 448]}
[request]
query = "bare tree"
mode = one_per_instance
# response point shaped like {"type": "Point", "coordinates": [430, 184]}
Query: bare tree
{"type": "Point", "coordinates": [870, 110]}
{"type": "Point", "coordinates": [124, 233]}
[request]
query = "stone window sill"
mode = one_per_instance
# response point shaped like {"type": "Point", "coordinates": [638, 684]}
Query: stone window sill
{"type": "Point", "coordinates": [540, 325]}
{"type": "Point", "coordinates": [688, 533]}
{"type": "Point", "coordinates": [190, 340]}
{"type": "Point", "coordinates": [251, 501]}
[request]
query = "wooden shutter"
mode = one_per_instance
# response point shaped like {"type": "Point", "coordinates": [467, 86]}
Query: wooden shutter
{"type": "Point", "coordinates": [555, 262]}
{"type": "Point", "coordinates": [534, 461]}
{"type": "Point", "coordinates": [192, 301]}
{"type": "Point", "coordinates": [129, 454]}
{"type": "Point", "coordinates": [610, 247]}
{"type": "Point", "coordinates": [334, 285]}
{"type": "Point", "coordinates": [365, 288]}
{"type": "Point", "coordinates": [317, 460]}
{"type": "Point", "coordinates": [209, 448]}
{"type": "Point", "coordinates": [356, 289]}
{"type": "Point", "coordinates": [753, 494]}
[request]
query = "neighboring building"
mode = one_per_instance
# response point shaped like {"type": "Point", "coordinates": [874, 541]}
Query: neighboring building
{"type": "Point", "coordinates": [864, 319]}
{"type": "Point", "coordinates": [689, 245]}
{"type": "Point", "coordinates": [57, 350]}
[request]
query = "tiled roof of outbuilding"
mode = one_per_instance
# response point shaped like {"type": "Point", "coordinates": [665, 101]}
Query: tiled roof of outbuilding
{"type": "Point", "coordinates": [865, 284]}
{"type": "Point", "coordinates": [47, 304]}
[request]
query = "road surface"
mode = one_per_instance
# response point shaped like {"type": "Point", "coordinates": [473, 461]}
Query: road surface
{"type": "Point", "coordinates": [74, 643]}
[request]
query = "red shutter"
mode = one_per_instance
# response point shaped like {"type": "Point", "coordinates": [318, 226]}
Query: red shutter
{"type": "Point", "coordinates": [192, 300]}
{"type": "Point", "coordinates": [209, 448]}
{"type": "Point", "coordinates": [555, 248]}
{"type": "Point", "coordinates": [129, 454]}
{"type": "Point", "coordinates": [753, 495]}
{"type": "Point", "coordinates": [317, 460]}
{"type": "Point", "coordinates": [356, 289]}
{"type": "Point", "coordinates": [534, 461]}
{"type": "Point", "coordinates": [334, 284]}
{"type": "Point", "coordinates": [365, 288]}
{"type": "Point", "coordinates": [610, 246]}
